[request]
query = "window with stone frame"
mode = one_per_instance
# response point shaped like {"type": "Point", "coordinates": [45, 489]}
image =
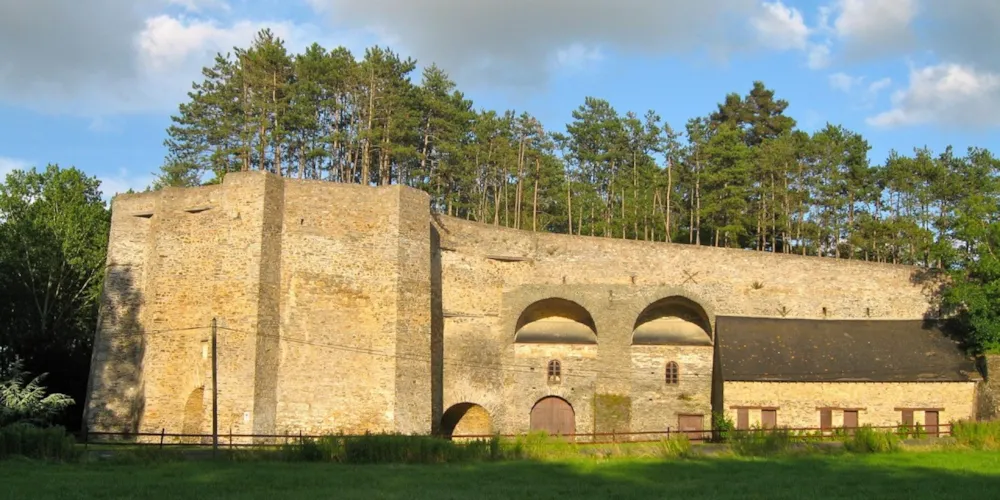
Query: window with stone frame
{"type": "Point", "coordinates": [555, 371]}
{"type": "Point", "coordinates": [672, 373]}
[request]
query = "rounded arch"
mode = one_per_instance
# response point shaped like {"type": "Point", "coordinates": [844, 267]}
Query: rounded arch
{"type": "Point", "coordinates": [553, 415]}
{"type": "Point", "coordinates": [555, 321]}
{"type": "Point", "coordinates": [466, 419]}
{"type": "Point", "coordinates": [675, 320]}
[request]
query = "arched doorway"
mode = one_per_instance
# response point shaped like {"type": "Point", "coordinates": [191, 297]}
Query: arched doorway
{"type": "Point", "coordinates": [554, 415]}
{"type": "Point", "coordinates": [466, 419]}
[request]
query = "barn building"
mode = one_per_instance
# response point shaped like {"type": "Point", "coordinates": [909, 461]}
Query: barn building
{"type": "Point", "coordinates": [344, 308]}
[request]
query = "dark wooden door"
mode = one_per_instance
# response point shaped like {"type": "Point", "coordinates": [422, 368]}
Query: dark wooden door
{"type": "Point", "coordinates": [851, 419]}
{"type": "Point", "coordinates": [931, 422]}
{"type": "Point", "coordinates": [769, 419]}
{"type": "Point", "coordinates": [553, 415]}
{"type": "Point", "coordinates": [692, 426]}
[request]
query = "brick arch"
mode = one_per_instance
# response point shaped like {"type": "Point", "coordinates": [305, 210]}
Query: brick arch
{"type": "Point", "coordinates": [673, 320]}
{"type": "Point", "coordinates": [466, 419]}
{"type": "Point", "coordinates": [555, 320]}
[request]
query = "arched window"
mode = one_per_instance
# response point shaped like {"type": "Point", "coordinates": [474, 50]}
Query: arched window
{"type": "Point", "coordinates": [673, 373]}
{"type": "Point", "coordinates": [555, 371]}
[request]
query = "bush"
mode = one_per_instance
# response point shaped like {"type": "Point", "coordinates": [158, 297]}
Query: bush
{"type": "Point", "coordinates": [759, 442]}
{"type": "Point", "coordinates": [722, 427]}
{"type": "Point", "coordinates": [391, 448]}
{"type": "Point", "coordinates": [978, 435]}
{"type": "Point", "coordinates": [868, 440]}
{"type": "Point", "coordinates": [50, 443]}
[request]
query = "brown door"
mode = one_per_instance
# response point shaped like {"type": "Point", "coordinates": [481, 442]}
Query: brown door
{"type": "Point", "coordinates": [692, 426]}
{"type": "Point", "coordinates": [825, 419]}
{"type": "Point", "coordinates": [931, 422]}
{"type": "Point", "coordinates": [553, 415]}
{"type": "Point", "coordinates": [742, 419]}
{"type": "Point", "coordinates": [850, 420]}
{"type": "Point", "coordinates": [769, 419]}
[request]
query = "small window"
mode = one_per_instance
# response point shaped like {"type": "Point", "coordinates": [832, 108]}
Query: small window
{"type": "Point", "coordinates": [673, 373]}
{"type": "Point", "coordinates": [769, 419]}
{"type": "Point", "coordinates": [555, 371]}
{"type": "Point", "coordinates": [742, 419]}
{"type": "Point", "coordinates": [826, 419]}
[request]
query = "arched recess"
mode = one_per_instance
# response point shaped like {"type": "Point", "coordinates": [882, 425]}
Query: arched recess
{"type": "Point", "coordinates": [673, 321]}
{"type": "Point", "coordinates": [194, 413]}
{"type": "Point", "coordinates": [555, 321]}
{"type": "Point", "coordinates": [554, 415]}
{"type": "Point", "coordinates": [466, 419]}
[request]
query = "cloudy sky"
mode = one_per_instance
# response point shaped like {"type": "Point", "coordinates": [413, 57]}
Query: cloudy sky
{"type": "Point", "coordinates": [93, 83]}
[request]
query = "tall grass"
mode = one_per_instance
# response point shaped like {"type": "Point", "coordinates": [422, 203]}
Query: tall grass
{"type": "Point", "coordinates": [392, 448]}
{"type": "Point", "coordinates": [866, 439]}
{"type": "Point", "coordinates": [46, 443]}
{"type": "Point", "coordinates": [758, 442]}
{"type": "Point", "coordinates": [978, 435]}
{"type": "Point", "coordinates": [676, 446]}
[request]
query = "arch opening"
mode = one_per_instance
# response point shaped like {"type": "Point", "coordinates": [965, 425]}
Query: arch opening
{"type": "Point", "coordinates": [553, 415]}
{"type": "Point", "coordinates": [673, 321]}
{"type": "Point", "coordinates": [466, 419]}
{"type": "Point", "coordinates": [555, 321]}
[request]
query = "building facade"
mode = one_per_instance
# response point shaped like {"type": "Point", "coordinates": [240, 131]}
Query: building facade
{"type": "Point", "coordinates": [344, 308]}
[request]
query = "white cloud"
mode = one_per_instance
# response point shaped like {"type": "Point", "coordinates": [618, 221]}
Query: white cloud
{"type": "Point", "coordinates": [871, 28]}
{"type": "Point", "coordinates": [844, 82]}
{"type": "Point", "coordinates": [949, 95]}
{"type": "Point", "coordinates": [511, 43]}
{"type": "Point", "coordinates": [578, 56]}
{"type": "Point", "coordinates": [780, 27]}
{"type": "Point", "coordinates": [8, 165]}
{"type": "Point", "coordinates": [879, 85]}
{"type": "Point", "coordinates": [107, 57]}
{"type": "Point", "coordinates": [819, 56]}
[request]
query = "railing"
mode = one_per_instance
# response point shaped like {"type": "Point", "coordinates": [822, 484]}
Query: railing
{"type": "Point", "coordinates": [232, 440]}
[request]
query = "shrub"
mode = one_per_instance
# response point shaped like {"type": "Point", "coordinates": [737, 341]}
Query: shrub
{"type": "Point", "coordinates": [759, 442]}
{"type": "Point", "coordinates": [868, 440]}
{"type": "Point", "coordinates": [50, 443]}
{"type": "Point", "coordinates": [722, 427]}
{"type": "Point", "coordinates": [28, 403]}
{"type": "Point", "coordinates": [979, 435]}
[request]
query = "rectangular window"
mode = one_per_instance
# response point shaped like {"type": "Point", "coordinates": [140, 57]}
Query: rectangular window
{"type": "Point", "coordinates": [851, 419]}
{"type": "Point", "coordinates": [907, 418]}
{"type": "Point", "coordinates": [826, 419]}
{"type": "Point", "coordinates": [931, 422]}
{"type": "Point", "coordinates": [769, 419]}
{"type": "Point", "coordinates": [742, 419]}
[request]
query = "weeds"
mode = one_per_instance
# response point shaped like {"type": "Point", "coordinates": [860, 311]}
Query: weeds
{"type": "Point", "coordinates": [26, 440]}
{"type": "Point", "coordinates": [978, 435]}
{"type": "Point", "coordinates": [868, 440]}
{"type": "Point", "coordinates": [759, 442]}
{"type": "Point", "coordinates": [677, 446]}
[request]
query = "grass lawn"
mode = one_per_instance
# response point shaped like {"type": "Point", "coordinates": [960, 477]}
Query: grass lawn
{"type": "Point", "coordinates": [912, 475]}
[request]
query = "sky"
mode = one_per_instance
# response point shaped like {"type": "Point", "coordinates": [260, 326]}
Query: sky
{"type": "Point", "coordinates": [92, 84]}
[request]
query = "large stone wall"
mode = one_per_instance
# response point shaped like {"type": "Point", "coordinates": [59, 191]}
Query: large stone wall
{"type": "Point", "coordinates": [350, 308]}
{"type": "Point", "coordinates": [878, 404]}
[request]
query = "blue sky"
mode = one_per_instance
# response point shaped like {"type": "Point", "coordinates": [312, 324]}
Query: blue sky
{"type": "Point", "coordinates": [93, 84]}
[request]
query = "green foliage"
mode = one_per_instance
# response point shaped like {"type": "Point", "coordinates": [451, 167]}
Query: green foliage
{"type": "Point", "coordinates": [48, 443]}
{"type": "Point", "coordinates": [866, 439]}
{"type": "Point", "coordinates": [28, 403]}
{"type": "Point", "coordinates": [759, 442]}
{"type": "Point", "coordinates": [978, 435]}
{"type": "Point", "coordinates": [722, 427]}
{"type": "Point", "coordinates": [53, 241]}
{"type": "Point", "coordinates": [393, 448]}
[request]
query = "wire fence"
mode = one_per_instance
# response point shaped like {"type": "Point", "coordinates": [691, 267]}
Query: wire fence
{"type": "Point", "coordinates": [230, 440]}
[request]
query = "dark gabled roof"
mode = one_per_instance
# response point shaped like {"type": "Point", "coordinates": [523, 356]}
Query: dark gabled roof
{"type": "Point", "coordinates": [797, 350]}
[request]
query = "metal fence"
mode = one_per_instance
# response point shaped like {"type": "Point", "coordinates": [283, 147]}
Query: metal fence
{"type": "Point", "coordinates": [232, 440]}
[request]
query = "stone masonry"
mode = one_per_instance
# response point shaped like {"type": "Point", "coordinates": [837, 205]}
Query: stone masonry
{"type": "Point", "coordinates": [344, 308]}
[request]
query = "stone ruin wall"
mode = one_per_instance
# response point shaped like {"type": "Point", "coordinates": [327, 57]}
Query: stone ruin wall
{"type": "Point", "coordinates": [390, 316]}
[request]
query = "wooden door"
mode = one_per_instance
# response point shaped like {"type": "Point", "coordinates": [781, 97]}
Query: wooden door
{"type": "Point", "coordinates": [553, 415]}
{"type": "Point", "coordinates": [692, 426]}
{"type": "Point", "coordinates": [850, 419]}
{"type": "Point", "coordinates": [769, 419]}
{"type": "Point", "coordinates": [931, 422]}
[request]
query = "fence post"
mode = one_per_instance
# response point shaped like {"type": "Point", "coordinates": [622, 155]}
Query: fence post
{"type": "Point", "coordinates": [215, 389]}
{"type": "Point", "coordinates": [230, 438]}
{"type": "Point", "coordinates": [163, 432]}
{"type": "Point", "coordinates": [301, 442]}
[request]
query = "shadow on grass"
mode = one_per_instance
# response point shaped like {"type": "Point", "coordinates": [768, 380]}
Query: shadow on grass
{"type": "Point", "coordinates": [902, 475]}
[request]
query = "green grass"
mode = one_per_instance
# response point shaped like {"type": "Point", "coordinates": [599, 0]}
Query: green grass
{"type": "Point", "coordinates": [912, 475]}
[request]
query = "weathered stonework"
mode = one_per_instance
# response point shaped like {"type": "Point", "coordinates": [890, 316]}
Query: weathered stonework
{"type": "Point", "coordinates": [344, 308]}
